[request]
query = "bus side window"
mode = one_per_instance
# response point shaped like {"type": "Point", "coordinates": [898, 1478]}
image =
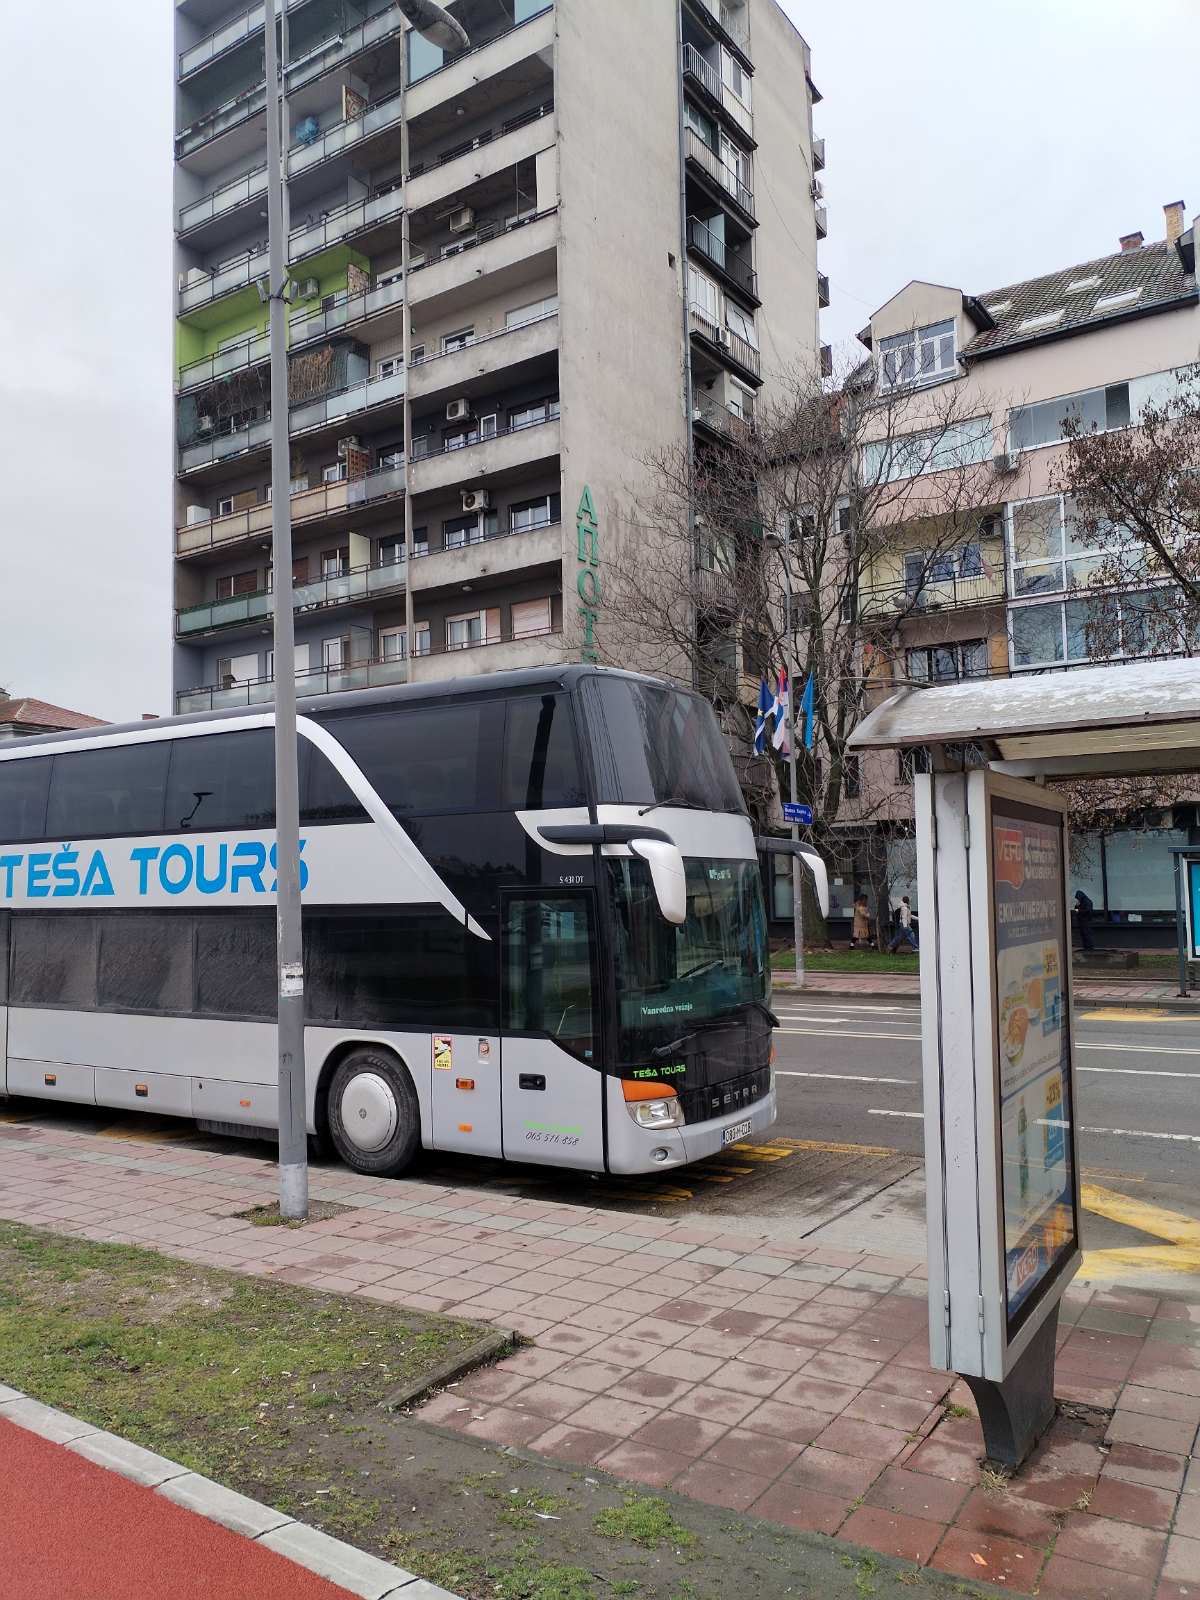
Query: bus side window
{"type": "Point", "coordinates": [222, 780]}
{"type": "Point", "coordinates": [24, 786]}
{"type": "Point", "coordinates": [54, 959]}
{"type": "Point", "coordinates": [540, 764]}
{"type": "Point", "coordinates": [235, 965]}
{"type": "Point", "coordinates": [324, 793]}
{"type": "Point", "coordinates": [549, 969]}
{"type": "Point", "coordinates": [4, 922]}
{"type": "Point", "coordinates": [94, 793]}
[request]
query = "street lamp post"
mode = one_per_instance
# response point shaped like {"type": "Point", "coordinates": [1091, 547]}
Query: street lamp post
{"type": "Point", "coordinates": [784, 548]}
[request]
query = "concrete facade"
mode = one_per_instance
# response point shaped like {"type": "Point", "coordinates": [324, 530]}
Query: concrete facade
{"type": "Point", "coordinates": [561, 209]}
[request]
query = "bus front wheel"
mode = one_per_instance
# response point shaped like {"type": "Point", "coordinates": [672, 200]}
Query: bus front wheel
{"type": "Point", "coordinates": [374, 1115]}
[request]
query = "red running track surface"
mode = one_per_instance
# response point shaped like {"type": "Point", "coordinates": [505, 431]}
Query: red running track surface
{"type": "Point", "coordinates": [70, 1530]}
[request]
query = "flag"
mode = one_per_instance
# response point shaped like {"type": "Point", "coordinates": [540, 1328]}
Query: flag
{"type": "Point", "coordinates": [807, 707]}
{"type": "Point", "coordinates": [765, 704]}
{"type": "Point", "coordinates": [780, 711]}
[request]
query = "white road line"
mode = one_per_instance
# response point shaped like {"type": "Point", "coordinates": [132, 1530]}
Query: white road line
{"type": "Point", "coordinates": [1116, 1133]}
{"type": "Point", "coordinates": [1143, 1049]}
{"type": "Point", "coordinates": [787, 1016]}
{"type": "Point", "coordinates": [842, 1033]}
{"type": "Point", "coordinates": [843, 1077]}
{"type": "Point", "coordinates": [1143, 1072]}
{"type": "Point", "coordinates": [902, 1011]}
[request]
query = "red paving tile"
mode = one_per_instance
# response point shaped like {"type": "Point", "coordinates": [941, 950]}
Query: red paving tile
{"type": "Point", "coordinates": [917, 1494]}
{"type": "Point", "coordinates": [1004, 1562]}
{"type": "Point", "coordinates": [1153, 1433]}
{"type": "Point", "coordinates": [719, 1485]}
{"type": "Point", "coordinates": [787, 1422]}
{"type": "Point", "coordinates": [892, 1533]}
{"type": "Point", "coordinates": [1157, 1469]}
{"type": "Point", "coordinates": [716, 1405]}
{"type": "Point", "coordinates": [830, 1473]}
{"type": "Point", "coordinates": [1003, 1516]}
{"type": "Point", "coordinates": [72, 1528]}
{"type": "Point", "coordinates": [1183, 1560]}
{"type": "Point", "coordinates": [1160, 1403]}
{"type": "Point", "coordinates": [800, 1507]}
{"type": "Point", "coordinates": [945, 1461]}
{"type": "Point", "coordinates": [650, 1388]}
{"type": "Point", "coordinates": [1133, 1502]}
{"type": "Point", "coordinates": [681, 1435]}
{"type": "Point", "coordinates": [608, 1415]}
{"type": "Point", "coordinates": [1187, 1517]}
{"type": "Point", "coordinates": [852, 1438]}
{"type": "Point", "coordinates": [1066, 1579]}
{"type": "Point", "coordinates": [758, 1453]}
{"type": "Point", "coordinates": [582, 1447]}
{"type": "Point", "coordinates": [643, 1464]}
{"type": "Point", "coordinates": [892, 1410]}
{"type": "Point", "coordinates": [1106, 1543]}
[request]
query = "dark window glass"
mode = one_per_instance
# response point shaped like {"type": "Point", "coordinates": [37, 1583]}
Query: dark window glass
{"type": "Point", "coordinates": [420, 969]}
{"type": "Point", "coordinates": [235, 966]}
{"type": "Point", "coordinates": [222, 780]}
{"type": "Point", "coordinates": [324, 793]}
{"type": "Point", "coordinates": [540, 764]}
{"type": "Point", "coordinates": [23, 789]}
{"type": "Point", "coordinates": [146, 962]}
{"type": "Point", "coordinates": [548, 970]}
{"type": "Point", "coordinates": [654, 745]}
{"type": "Point", "coordinates": [1116, 405]}
{"type": "Point", "coordinates": [54, 960]}
{"type": "Point", "coordinates": [115, 791]}
{"type": "Point", "coordinates": [444, 758]}
{"type": "Point", "coordinates": [3, 957]}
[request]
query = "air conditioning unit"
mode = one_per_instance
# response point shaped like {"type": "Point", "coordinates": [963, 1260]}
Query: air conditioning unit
{"type": "Point", "coordinates": [461, 220]}
{"type": "Point", "coordinates": [1006, 461]}
{"type": "Point", "coordinates": [346, 445]}
{"type": "Point", "coordinates": [723, 336]}
{"type": "Point", "coordinates": [458, 410]}
{"type": "Point", "coordinates": [307, 289]}
{"type": "Point", "coordinates": [476, 500]}
{"type": "Point", "coordinates": [197, 514]}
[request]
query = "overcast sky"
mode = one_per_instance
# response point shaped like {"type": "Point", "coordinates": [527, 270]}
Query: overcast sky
{"type": "Point", "coordinates": [968, 145]}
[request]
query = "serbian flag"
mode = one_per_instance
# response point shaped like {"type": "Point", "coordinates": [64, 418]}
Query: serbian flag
{"type": "Point", "coordinates": [780, 711]}
{"type": "Point", "coordinates": [765, 704]}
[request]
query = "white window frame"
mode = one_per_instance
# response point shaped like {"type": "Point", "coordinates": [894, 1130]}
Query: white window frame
{"type": "Point", "coordinates": [730, 65]}
{"type": "Point", "coordinates": [338, 647]}
{"type": "Point", "coordinates": [522, 316]}
{"type": "Point", "coordinates": [335, 473]}
{"type": "Point", "coordinates": [460, 339]}
{"type": "Point", "coordinates": [528, 505]}
{"type": "Point", "coordinates": [468, 617]}
{"type": "Point", "coordinates": [389, 366]}
{"type": "Point", "coordinates": [225, 506]}
{"type": "Point", "coordinates": [399, 638]}
{"type": "Point", "coordinates": [919, 356]}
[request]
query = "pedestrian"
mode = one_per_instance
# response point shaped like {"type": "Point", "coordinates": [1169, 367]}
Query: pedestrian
{"type": "Point", "coordinates": [905, 933]}
{"type": "Point", "coordinates": [1083, 915]}
{"type": "Point", "coordinates": [860, 923]}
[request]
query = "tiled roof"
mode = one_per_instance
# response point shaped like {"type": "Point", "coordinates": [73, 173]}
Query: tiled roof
{"type": "Point", "coordinates": [38, 714]}
{"type": "Point", "coordinates": [1155, 270]}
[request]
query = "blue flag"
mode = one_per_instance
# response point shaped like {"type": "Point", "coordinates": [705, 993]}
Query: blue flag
{"type": "Point", "coordinates": [765, 702]}
{"type": "Point", "coordinates": [806, 706]}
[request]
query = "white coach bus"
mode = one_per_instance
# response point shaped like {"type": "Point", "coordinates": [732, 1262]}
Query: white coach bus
{"type": "Point", "coordinates": [534, 924]}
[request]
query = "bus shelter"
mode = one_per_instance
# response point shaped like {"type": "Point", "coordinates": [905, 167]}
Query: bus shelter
{"type": "Point", "coordinates": [1000, 1119]}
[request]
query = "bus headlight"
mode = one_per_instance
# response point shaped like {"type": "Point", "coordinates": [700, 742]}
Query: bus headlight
{"type": "Point", "coordinates": [652, 1104]}
{"type": "Point", "coordinates": [657, 1113]}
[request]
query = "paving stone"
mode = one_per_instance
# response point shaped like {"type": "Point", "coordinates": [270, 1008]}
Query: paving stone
{"type": "Point", "coordinates": [1154, 1433]}
{"type": "Point", "coordinates": [609, 1415]}
{"type": "Point", "coordinates": [801, 1507]}
{"type": "Point", "coordinates": [235, 1511]}
{"type": "Point", "coordinates": [719, 1485]}
{"type": "Point", "coordinates": [868, 1439]}
{"type": "Point", "coordinates": [1004, 1562]}
{"type": "Point", "coordinates": [817, 1394]}
{"type": "Point", "coordinates": [650, 1388]}
{"type": "Point", "coordinates": [763, 1454]}
{"type": "Point", "coordinates": [1107, 1543]}
{"type": "Point", "coordinates": [581, 1446]}
{"type": "Point", "coordinates": [644, 1464]}
{"type": "Point", "coordinates": [1157, 1469]}
{"type": "Point", "coordinates": [894, 1533]}
{"type": "Point", "coordinates": [715, 1405]}
{"type": "Point", "coordinates": [893, 1411]}
{"type": "Point", "coordinates": [787, 1422]}
{"type": "Point", "coordinates": [917, 1494]}
{"type": "Point", "coordinates": [1159, 1403]}
{"type": "Point", "coordinates": [1187, 1518]}
{"type": "Point", "coordinates": [1132, 1502]}
{"type": "Point", "coordinates": [1183, 1560]}
{"type": "Point", "coordinates": [1064, 1578]}
{"type": "Point", "coordinates": [501, 1425]}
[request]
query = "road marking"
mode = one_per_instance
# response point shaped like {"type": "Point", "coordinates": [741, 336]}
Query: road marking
{"type": "Point", "coordinates": [844, 1033]}
{"type": "Point", "coordinates": [842, 1077]}
{"type": "Point", "coordinates": [875, 1111]}
{"type": "Point", "coordinates": [1142, 1072]}
{"type": "Point", "coordinates": [901, 1011]}
{"type": "Point", "coordinates": [1144, 1049]}
{"type": "Point", "coordinates": [1116, 1133]}
{"type": "Point", "coordinates": [844, 1149]}
{"type": "Point", "coordinates": [1180, 1253]}
{"type": "Point", "coordinates": [1120, 1014]}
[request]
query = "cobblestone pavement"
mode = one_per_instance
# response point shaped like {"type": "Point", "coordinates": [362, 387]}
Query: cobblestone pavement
{"type": "Point", "coordinates": [785, 1380]}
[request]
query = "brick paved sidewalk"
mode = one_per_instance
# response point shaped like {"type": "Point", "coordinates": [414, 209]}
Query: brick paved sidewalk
{"type": "Point", "coordinates": [1094, 991]}
{"type": "Point", "coordinates": [789, 1382]}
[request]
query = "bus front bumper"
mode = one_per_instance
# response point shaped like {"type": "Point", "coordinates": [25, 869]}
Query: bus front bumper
{"type": "Point", "coordinates": [632, 1149]}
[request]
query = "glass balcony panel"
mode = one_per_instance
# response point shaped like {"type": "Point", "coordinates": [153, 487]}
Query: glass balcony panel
{"type": "Point", "coordinates": [198, 55]}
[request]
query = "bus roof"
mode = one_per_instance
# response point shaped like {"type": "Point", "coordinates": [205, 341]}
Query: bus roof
{"type": "Point", "coordinates": [560, 677]}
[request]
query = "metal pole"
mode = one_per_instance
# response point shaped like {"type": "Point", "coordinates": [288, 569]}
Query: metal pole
{"type": "Point", "coordinates": [410, 626]}
{"type": "Point", "coordinates": [797, 870]}
{"type": "Point", "coordinates": [293, 1128]}
{"type": "Point", "coordinates": [1183, 934]}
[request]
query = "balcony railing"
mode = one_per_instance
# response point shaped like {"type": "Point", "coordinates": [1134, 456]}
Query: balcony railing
{"type": "Point", "coordinates": [714, 249]}
{"type": "Point", "coordinates": [343, 135]}
{"type": "Point", "coordinates": [238, 192]}
{"type": "Point", "coordinates": [239, 108]}
{"type": "Point", "coordinates": [220, 447]}
{"type": "Point", "coordinates": [427, 449]}
{"type": "Point", "coordinates": [709, 78]}
{"type": "Point", "coordinates": [247, 354]}
{"type": "Point", "coordinates": [900, 598]}
{"type": "Point", "coordinates": [311, 681]}
{"type": "Point", "coordinates": [345, 402]}
{"type": "Point", "coordinates": [238, 276]}
{"type": "Point", "coordinates": [732, 23]}
{"type": "Point", "coordinates": [487, 338]}
{"type": "Point", "coordinates": [343, 588]}
{"type": "Point", "coordinates": [822, 222]}
{"type": "Point", "coordinates": [822, 290]}
{"type": "Point", "coordinates": [340, 224]}
{"type": "Point", "coordinates": [488, 136]}
{"type": "Point", "coordinates": [708, 159]}
{"type": "Point", "coordinates": [225, 38]}
{"type": "Point", "coordinates": [484, 44]}
{"type": "Point", "coordinates": [346, 309]}
{"type": "Point", "coordinates": [737, 348]}
{"type": "Point", "coordinates": [818, 150]}
{"type": "Point", "coordinates": [713, 414]}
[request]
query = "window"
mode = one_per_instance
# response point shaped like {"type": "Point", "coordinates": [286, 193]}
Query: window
{"type": "Point", "coordinates": [389, 366]}
{"type": "Point", "coordinates": [735, 77]}
{"type": "Point", "coordinates": [460, 438]}
{"type": "Point", "coordinates": [1115, 302]}
{"type": "Point", "coordinates": [488, 425]}
{"type": "Point", "coordinates": [392, 456]}
{"type": "Point", "coordinates": [1093, 411]}
{"type": "Point", "coordinates": [1046, 552]}
{"type": "Point", "coordinates": [53, 960]}
{"type": "Point", "coordinates": [702, 126]}
{"type": "Point", "coordinates": [442, 759]}
{"type": "Point", "coordinates": [1077, 284]}
{"type": "Point", "coordinates": [530, 416]}
{"type": "Point", "coordinates": [704, 296]}
{"type": "Point", "coordinates": [236, 669]}
{"type": "Point", "coordinates": [237, 583]}
{"type": "Point", "coordinates": [220, 781]}
{"type": "Point", "coordinates": [335, 562]}
{"type": "Point", "coordinates": [999, 308]}
{"type": "Point", "coordinates": [393, 642]}
{"type": "Point", "coordinates": [852, 778]}
{"type": "Point", "coordinates": [910, 761]}
{"type": "Point", "coordinates": [540, 513]}
{"type": "Point", "coordinates": [335, 653]}
{"type": "Point", "coordinates": [334, 474]}
{"type": "Point", "coordinates": [531, 617]}
{"type": "Point", "coordinates": [741, 323]}
{"type": "Point", "coordinates": [145, 962]}
{"type": "Point", "coordinates": [235, 963]}
{"type": "Point", "coordinates": [470, 529]}
{"type": "Point", "coordinates": [391, 552]}
{"type": "Point", "coordinates": [958, 445]}
{"type": "Point", "coordinates": [457, 341]}
{"type": "Point", "coordinates": [520, 315]}
{"type": "Point", "coordinates": [655, 744]}
{"type": "Point", "coordinates": [1046, 319]}
{"type": "Point", "coordinates": [924, 569]}
{"type": "Point", "coordinates": [1037, 635]}
{"type": "Point", "coordinates": [416, 354]}
{"type": "Point", "coordinates": [24, 787]}
{"type": "Point", "coordinates": [949, 663]}
{"type": "Point", "coordinates": [399, 968]}
{"type": "Point", "coordinates": [384, 280]}
{"type": "Point", "coordinates": [108, 792]}
{"type": "Point", "coordinates": [922, 355]}
{"type": "Point", "coordinates": [1101, 626]}
{"type": "Point", "coordinates": [472, 628]}
{"type": "Point", "coordinates": [736, 162]}
{"type": "Point", "coordinates": [225, 507]}
{"type": "Point", "coordinates": [540, 764]}
{"type": "Point", "coordinates": [549, 969]}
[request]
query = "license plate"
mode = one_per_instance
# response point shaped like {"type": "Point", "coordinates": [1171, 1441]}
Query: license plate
{"type": "Point", "coordinates": [739, 1130]}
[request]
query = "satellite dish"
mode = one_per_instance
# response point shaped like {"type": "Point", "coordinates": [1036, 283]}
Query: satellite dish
{"type": "Point", "coordinates": [434, 22]}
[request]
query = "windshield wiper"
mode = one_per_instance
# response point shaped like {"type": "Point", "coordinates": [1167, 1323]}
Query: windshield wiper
{"type": "Point", "coordinates": [715, 1022]}
{"type": "Point", "coordinates": [674, 800]}
{"type": "Point", "coordinates": [676, 1044]}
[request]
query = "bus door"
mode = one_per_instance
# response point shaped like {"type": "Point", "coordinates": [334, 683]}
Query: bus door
{"type": "Point", "coordinates": [550, 1052]}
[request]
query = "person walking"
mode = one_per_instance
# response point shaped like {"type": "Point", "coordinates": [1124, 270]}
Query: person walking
{"type": "Point", "coordinates": [860, 924]}
{"type": "Point", "coordinates": [1083, 915]}
{"type": "Point", "coordinates": [905, 933]}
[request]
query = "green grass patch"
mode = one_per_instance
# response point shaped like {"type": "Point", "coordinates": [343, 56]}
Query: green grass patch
{"type": "Point", "coordinates": [846, 961]}
{"type": "Point", "coordinates": [643, 1520]}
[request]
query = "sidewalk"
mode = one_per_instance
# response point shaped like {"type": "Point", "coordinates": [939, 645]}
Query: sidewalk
{"type": "Point", "coordinates": [786, 1381]}
{"type": "Point", "coordinates": [1127, 993]}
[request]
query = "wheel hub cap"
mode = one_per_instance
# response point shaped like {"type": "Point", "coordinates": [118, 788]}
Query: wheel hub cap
{"type": "Point", "coordinates": [369, 1111]}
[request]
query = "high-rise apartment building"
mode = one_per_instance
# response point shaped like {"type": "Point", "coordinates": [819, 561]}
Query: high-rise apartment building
{"type": "Point", "coordinates": [614, 213]}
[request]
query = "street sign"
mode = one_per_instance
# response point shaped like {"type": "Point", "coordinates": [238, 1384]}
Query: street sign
{"type": "Point", "coordinates": [793, 811]}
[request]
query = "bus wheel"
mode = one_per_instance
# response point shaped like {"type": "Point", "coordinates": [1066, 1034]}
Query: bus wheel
{"type": "Point", "coordinates": [374, 1117]}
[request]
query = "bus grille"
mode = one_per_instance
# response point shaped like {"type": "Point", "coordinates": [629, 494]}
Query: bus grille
{"type": "Point", "coordinates": [720, 1099]}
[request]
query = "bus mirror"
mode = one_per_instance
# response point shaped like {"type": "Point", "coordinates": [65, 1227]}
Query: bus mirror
{"type": "Point", "coordinates": [816, 866]}
{"type": "Point", "coordinates": [667, 875]}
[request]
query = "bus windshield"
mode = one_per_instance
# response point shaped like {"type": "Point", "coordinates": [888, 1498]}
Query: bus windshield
{"type": "Point", "coordinates": [671, 980]}
{"type": "Point", "coordinates": [654, 745]}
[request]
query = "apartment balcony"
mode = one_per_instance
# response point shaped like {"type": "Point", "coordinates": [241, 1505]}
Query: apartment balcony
{"type": "Point", "coordinates": [903, 600]}
{"type": "Point", "coordinates": [483, 71]}
{"type": "Point", "coordinates": [226, 446]}
{"type": "Point", "coordinates": [347, 222]}
{"type": "Point", "coordinates": [735, 270]}
{"type": "Point", "coordinates": [818, 155]}
{"type": "Point", "coordinates": [729, 347]}
{"type": "Point", "coordinates": [346, 311]}
{"type": "Point", "coordinates": [465, 371]}
{"type": "Point", "coordinates": [707, 78]}
{"type": "Point", "coordinates": [730, 25]}
{"type": "Point", "coordinates": [494, 151]}
{"type": "Point", "coordinates": [718, 180]}
{"type": "Point", "coordinates": [501, 655]}
{"type": "Point", "coordinates": [324, 594]}
{"type": "Point", "coordinates": [457, 277]}
{"type": "Point", "coordinates": [822, 290]}
{"type": "Point", "coordinates": [822, 216]}
{"type": "Point", "coordinates": [198, 288]}
{"type": "Point", "coordinates": [373, 674]}
{"type": "Point", "coordinates": [241, 357]}
{"type": "Point", "coordinates": [711, 414]}
{"type": "Point", "coordinates": [223, 202]}
{"type": "Point", "coordinates": [494, 556]}
{"type": "Point", "coordinates": [380, 117]}
{"type": "Point", "coordinates": [505, 455]}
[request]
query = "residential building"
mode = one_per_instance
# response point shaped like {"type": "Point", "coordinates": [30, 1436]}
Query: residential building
{"type": "Point", "coordinates": [1093, 341]}
{"type": "Point", "coordinates": [22, 718]}
{"type": "Point", "coordinates": [591, 280]}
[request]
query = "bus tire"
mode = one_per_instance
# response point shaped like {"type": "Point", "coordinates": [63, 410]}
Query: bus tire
{"type": "Point", "coordinates": [374, 1114]}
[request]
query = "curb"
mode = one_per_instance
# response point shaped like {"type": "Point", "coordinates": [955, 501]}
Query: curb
{"type": "Point", "coordinates": [358, 1573]}
{"type": "Point", "coordinates": [452, 1368]}
{"type": "Point", "coordinates": [1120, 1002]}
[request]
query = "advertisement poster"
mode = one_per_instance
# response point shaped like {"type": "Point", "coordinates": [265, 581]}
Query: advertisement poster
{"type": "Point", "coordinates": [1192, 869]}
{"type": "Point", "coordinates": [1035, 1111]}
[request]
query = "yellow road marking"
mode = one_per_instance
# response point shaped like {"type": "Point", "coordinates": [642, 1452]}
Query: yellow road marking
{"type": "Point", "coordinates": [1122, 1177]}
{"type": "Point", "coordinates": [837, 1149]}
{"type": "Point", "coordinates": [1120, 1014]}
{"type": "Point", "coordinates": [1180, 1253]}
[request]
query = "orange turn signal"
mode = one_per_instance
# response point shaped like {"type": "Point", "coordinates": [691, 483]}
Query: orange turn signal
{"type": "Point", "coordinates": [645, 1089]}
{"type": "Point", "coordinates": [465, 1127]}
{"type": "Point", "coordinates": [464, 1083]}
